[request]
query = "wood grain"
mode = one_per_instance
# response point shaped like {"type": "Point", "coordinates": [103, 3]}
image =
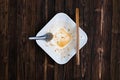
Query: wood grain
{"type": "Point", "coordinates": [21, 59]}
{"type": "Point", "coordinates": [87, 16]}
{"type": "Point", "coordinates": [4, 41]}
{"type": "Point", "coordinates": [101, 54]}
{"type": "Point", "coordinates": [115, 57]}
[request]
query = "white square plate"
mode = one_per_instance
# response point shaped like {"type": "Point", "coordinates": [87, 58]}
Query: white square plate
{"type": "Point", "coordinates": [61, 55]}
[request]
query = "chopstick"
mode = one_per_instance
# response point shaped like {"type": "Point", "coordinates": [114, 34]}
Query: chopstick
{"type": "Point", "coordinates": [77, 37]}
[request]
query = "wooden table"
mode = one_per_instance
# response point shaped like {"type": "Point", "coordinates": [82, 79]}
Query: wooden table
{"type": "Point", "coordinates": [21, 59]}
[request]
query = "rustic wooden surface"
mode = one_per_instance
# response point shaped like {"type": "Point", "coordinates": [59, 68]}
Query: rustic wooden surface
{"type": "Point", "coordinates": [21, 59]}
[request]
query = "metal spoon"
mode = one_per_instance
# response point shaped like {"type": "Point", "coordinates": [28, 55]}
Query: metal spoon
{"type": "Point", "coordinates": [46, 37]}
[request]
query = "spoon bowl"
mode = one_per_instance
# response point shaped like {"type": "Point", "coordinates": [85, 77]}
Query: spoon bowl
{"type": "Point", "coordinates": [46, 37]}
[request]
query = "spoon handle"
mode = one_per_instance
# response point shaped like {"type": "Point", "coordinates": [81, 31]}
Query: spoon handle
{"type": "Point", "coordinates": [37, 38]}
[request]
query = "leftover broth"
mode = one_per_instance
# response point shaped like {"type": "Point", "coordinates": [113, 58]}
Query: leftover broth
{"type": "Point", "coordinates": [62, 37]}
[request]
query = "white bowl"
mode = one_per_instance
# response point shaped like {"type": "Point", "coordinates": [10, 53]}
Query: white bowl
{"type": "Point", "coordinates": [61, 55]}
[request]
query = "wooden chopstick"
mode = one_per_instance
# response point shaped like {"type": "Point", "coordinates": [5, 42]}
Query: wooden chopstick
{"type": "Point", "coordinates": [77, 37]}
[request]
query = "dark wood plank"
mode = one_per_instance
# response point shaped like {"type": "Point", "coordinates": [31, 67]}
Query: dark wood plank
{"type": "Point", "coordinates": [59, 72]}
{"type": "Point", "coordinates": [59, 6]}
{"type": "Point", "coordinates": [26, 49]}
{"type": "Point", "coordinates": [4, 41]}
{"type": "Point", "coordinates": [12, 23]}
{"type": "Point", "coordinates": [87, 16]}
{"type": "Point", "coordinates": [115, 57]}
{"type": "Point", "coordinates": [102, 40]}
{"type": "Point", "coordinates": [116, 16]}
{"type": "Point", "coordinates": [20, 53]}
{"type": "Point", "coordinates": [31, 18]}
